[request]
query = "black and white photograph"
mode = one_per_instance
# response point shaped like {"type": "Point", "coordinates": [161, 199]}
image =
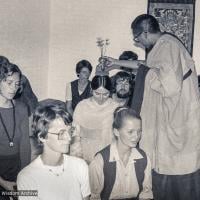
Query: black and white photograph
{"type": "Point", "coordinates": [99, 100]}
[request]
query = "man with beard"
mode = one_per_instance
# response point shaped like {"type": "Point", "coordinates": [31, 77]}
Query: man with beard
{"type": "Point", "coordinates": [123, 89]}
{"type": "Point", "coordinates": [137, 77]}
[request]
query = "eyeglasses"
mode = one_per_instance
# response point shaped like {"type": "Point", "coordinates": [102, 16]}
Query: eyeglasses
{"type": "Point", "coordinates": [137, 36]}
{"type": "Point", "coordinates": [62, 133]}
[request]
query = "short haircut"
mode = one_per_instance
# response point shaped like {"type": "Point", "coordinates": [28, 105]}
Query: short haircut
{"type": "Point", "coordinates": [122, 113]}
{"type": "Point", "coordinates": [101, 81]}
{"type": "Point", "coordinates": [7, 69]}
{"type": "Point", "coordinates": [44, 115]}
{"type": "Point", "coordinates": [145, 22]}
{"type": "Point", "coordinates": [83, 64]}
{"type": "Point", "coordinates": [128, 55]}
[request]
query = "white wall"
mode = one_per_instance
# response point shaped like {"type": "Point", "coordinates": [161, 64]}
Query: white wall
{"type": "Point", "coordinates": [75, 25]}
{"type": "Point", "coordinates": [24, 38]}
{"type": "Point", "coordinates": [46, 38]}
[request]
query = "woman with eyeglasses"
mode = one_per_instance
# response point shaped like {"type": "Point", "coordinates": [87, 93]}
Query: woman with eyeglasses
{"type": "Point", "coordinates": [14, 127]}
{"type": "Point", "coordinates": [54, 174]}
{"type": "Point", "coordinates": [94, 118]}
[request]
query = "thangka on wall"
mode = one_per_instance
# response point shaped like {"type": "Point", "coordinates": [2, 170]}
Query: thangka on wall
{"type": "Point", "coordinates": [176, 17]}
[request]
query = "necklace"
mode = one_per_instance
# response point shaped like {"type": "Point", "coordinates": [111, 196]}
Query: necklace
{"type": "Point", "coordinates": [10, 138]}
{"type": "Point", "coordinates": [56, 173]}
{"type": "Point", "coordinates": [56, 170]}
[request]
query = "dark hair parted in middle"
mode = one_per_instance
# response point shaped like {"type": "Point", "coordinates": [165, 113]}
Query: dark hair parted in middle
{"type": "Point", "coordinates": [83, 64]}
{"type": "Point", "coordinates": [101, 81]}
{"type": "Point", "coordinates": [44, 115]}
{"type": "Point", "coordinates": [122, 113]}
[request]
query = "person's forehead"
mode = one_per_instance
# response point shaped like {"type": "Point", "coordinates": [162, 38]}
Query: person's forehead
{"type": "Point", "coordinates": [13, 76]}
{"type": "Point", "coordinates": [132, 122]}
{"type": "Point", "coordinates": [101, 90]}
{"type": "Point", "coordinates": [122, 79]}
{"type": "Point", "coordinates": [57, 123]}
{"type": "Point", "coordinates": [84, 69]}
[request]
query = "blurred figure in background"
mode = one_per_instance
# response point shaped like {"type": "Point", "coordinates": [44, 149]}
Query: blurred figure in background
{"type": "Point", "coordinates": [79, 89]}
{"type": "Point", "coordinates": [129, 55]}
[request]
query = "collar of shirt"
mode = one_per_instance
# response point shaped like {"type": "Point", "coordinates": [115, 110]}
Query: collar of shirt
{"type": "Point", "coordinates": [114, 155]}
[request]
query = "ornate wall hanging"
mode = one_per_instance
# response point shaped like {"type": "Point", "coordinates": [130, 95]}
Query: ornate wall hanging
{"type": "Point", "coordinates": [176, 17]}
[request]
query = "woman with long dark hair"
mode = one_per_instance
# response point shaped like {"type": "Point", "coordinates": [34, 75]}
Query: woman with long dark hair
{"type": "Point", "coordinates": [94, 117]}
